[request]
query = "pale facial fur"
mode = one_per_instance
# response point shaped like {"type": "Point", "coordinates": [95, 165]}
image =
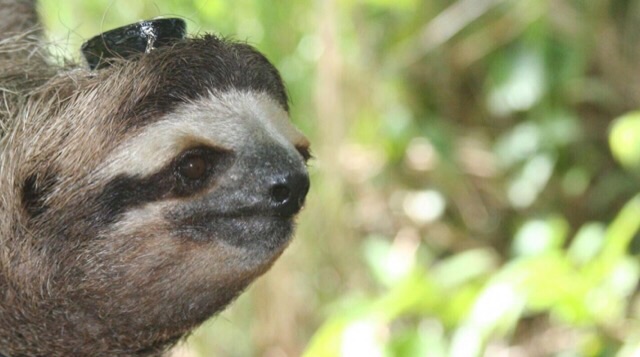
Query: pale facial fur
{"type": "Point", "coordinates": [228, 120]}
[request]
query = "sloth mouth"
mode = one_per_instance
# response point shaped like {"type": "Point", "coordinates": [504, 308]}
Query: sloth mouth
{"type": "Point", "coordinates": [246, 229]}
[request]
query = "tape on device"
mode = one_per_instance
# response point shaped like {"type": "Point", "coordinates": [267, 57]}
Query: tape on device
{"type": "Point", "coordinates": [127, 41]}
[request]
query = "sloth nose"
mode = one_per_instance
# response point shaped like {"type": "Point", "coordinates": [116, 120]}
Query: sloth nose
{"type": "Point", "coordinates": [287, 193]}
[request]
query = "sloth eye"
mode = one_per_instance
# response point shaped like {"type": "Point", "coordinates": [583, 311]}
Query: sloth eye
{"type": "Point", "coordinates": [193, 167]}
{"type": "Point", "coordinates": [197, 167]}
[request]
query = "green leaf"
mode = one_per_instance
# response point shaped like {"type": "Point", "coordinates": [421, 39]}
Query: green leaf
{"type": "Point", "coordinates": [540, 236]}
{"type": "Point", "coordinates": [617, 239]}
{"type": "Point", "coordinates": [624, 140]}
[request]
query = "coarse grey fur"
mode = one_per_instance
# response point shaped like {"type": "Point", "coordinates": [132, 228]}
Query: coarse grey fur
{"type": "Point", "coordinates": [138, 200]}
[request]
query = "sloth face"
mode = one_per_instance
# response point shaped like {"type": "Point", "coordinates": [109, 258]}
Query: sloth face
{"type": "Point", "coordinates": [206, 199]}
{"type": "Point", "coordinates": [165, 185]}
{"type": "Point", "coordinates": [228, 166]}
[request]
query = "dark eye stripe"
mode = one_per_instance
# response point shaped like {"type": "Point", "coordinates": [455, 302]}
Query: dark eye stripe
{"type": "Point", "coordinates": [125, 192]}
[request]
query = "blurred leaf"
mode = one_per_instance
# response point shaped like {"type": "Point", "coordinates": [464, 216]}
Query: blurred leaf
{"type": "Point", "coordinates": [428, 339]}
{"type": "Point", "coordinates": [531, 180]}
{"type": "Point", "coordinates": [518, 144]}
{"type": "Point", "coordinates": [540, 236]}
{"type": "Point", "coordinates": [608, 301]}
{"type": "Point", "coordinates": [624, 140]}
{"type": "Point", "coordinates": [497, 308]}
{"type": "Point", "coordinates": [550, 282]}
{"type": "Point", "coordinates": [522, 84]}
{"type": "Point", "coordinates": [631, 347]}
{"type": "Point", "coordinates": [390, 264]}
{"type": "Point", "coordinates": [463, 267]}
{"type": "Point", "coordinates": [376, 251]}
{"type": "Point", "coordinates": [617, 239]}
{"type": "Point", "coordinates": [363, 337]}
{"type": "Point", "coordinates": [391, 4]}
{"type": "Point", "coordinates": [587, 243]}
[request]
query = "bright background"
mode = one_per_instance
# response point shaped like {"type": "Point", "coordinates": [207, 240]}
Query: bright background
{"type": "Point", "coordinates": [474, 191]}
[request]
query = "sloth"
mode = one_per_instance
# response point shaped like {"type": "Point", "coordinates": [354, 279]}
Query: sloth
{"type": "Point", "coordinates": [140, 199]}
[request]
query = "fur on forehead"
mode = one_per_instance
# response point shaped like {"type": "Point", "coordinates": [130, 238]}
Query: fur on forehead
{"type": "Point", "coordinates": [107, 104]}
{"type": "Point", "coordinates": [192, 68]}
{"type": "Point", "coordinates": [152, 84]}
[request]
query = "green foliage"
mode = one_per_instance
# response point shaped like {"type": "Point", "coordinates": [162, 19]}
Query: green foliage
{"type": "Point", "coordinates": [457, 306]}
{"type": "Point", "coordinates": [475, 187]}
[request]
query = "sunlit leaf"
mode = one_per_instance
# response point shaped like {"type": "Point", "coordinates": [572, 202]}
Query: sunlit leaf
{"type": "Point", "coordinates": [587, 243]}
{"type": "Point", "coordinates": [428, 339]}
{"type": "Point", "coordinates": [539, 236]}
{"type": "Point", "coordinates": [523, 84]}
{"type": "Point", "coordinates": [461, 268]}
{"type": "Point", "coordinates": [624, 140]}
{"type": "Point", "coordinates": [618, 236]}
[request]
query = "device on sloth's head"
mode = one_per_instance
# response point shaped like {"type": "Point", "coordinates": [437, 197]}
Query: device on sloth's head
{"type": "Point", "coordinates": [127, 41]}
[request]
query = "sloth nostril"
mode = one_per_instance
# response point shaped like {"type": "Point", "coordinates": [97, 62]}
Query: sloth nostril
{"type": "Point", "coordinates": [280, 193]}
{"type": "Point", "coordinates": [287, 193]}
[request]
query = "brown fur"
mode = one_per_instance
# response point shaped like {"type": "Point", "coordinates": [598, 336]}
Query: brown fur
{"type": "Point", "coordinates": [84, 271]}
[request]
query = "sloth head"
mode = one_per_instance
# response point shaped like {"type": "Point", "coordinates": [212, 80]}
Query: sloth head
{"type": "Point", "coordinates": [147, 195]}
